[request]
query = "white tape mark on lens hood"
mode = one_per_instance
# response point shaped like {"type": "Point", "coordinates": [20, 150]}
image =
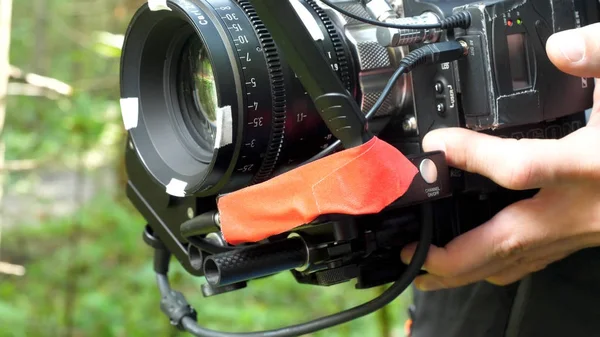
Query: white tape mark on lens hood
{"type": "Point", "coordinates": [309, 21]}
{"type": "Point", "coordinates": [130, 110]}
{"type": "Point", "coordinates": [158, 5]}
{"type": "Point", "coordinates": [176, 188]}
{"type": "Point", "coordinates": [224, 127]}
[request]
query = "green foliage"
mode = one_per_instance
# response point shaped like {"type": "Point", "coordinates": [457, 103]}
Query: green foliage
{"type": "Point", "coordinates": [70, 41]}
{"type": "Point", "coordinates": [116, 294]}
{"type": "Point", "coordinates": [75, 124]}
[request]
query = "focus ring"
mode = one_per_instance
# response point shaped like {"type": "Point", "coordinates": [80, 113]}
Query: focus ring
{"type": "Point", "coordinates": [340, 52]}
{"type": "Point", "coordinates": [277, 93]}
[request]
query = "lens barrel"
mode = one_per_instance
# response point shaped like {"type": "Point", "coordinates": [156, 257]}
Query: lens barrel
{"type": "Point", "coordinates": [210, 104]}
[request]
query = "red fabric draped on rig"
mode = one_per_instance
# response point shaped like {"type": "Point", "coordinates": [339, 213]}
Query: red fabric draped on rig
{"type": "Point", "coordinates": [357, 181]}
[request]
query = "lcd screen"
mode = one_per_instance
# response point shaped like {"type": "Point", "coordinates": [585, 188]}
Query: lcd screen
{"type": "Point", "coordinates": [519, 67]}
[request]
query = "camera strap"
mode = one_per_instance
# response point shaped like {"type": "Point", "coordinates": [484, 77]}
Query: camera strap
{"type": "Point", "coordinates": [356, 181]}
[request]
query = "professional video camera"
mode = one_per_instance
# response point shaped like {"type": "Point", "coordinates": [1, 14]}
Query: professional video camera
{"type": "Point", "coordinates": [222, 96]}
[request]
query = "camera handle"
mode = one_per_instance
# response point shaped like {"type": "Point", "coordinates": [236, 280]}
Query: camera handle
{"type": "Point", "coordinates": [183, 316]}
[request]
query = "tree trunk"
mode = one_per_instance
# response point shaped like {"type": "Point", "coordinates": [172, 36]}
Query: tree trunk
{"type": "Point", "coordinates": [5, 29]}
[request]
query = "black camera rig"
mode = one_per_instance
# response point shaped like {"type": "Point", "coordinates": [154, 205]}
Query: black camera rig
{"type": "Point", "coordinates": [218, 95]}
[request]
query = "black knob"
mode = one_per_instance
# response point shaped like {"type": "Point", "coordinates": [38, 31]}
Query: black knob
{"type": "Point", "coordinates": [440, 108]}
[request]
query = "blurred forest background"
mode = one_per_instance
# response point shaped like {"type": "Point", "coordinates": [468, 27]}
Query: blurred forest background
{"type": "Point", "coordinates": [72, 262]}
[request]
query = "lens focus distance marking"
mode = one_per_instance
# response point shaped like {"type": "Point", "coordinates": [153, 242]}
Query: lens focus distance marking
{"type": "Point", "coordinates": [340, 61]}
{"type": "Point", "coordinates": [306, 133]}
{"type": "Point", "coordinates": [257, 88]}
{"type": "Point", "coordinates": [278, 93]}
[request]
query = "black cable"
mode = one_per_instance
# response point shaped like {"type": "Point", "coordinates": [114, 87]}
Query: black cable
{"type": "Point", "coordinates": [460, 19]}
{"type": "Point", "coordinates": [194, 229]}
{"type": "Point", "coordinates": [386, 91]}
{"type": "Point", "coordinates": [202, 224]}
{"type": "Point", "coordinates": [435, 53]}
{"type": "Point", "coordinates": [176, 304]}
{"type": "Point", "coordinates": [163, 284]}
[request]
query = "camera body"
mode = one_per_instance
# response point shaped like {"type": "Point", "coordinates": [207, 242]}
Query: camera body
{"type": "Point", "coordinates": [506, 86]}
{"type": "Point", "coordinates": [507, 79]}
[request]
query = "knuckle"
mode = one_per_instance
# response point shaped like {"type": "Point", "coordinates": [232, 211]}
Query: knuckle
{"type": "Point", "coordinates": [439, 262]}
{"type": "Point", "coordinates": [519, 177]}
{"type": "Point", "coordinates": [521, 263]}
{"type": "Point", "coordinates": [510, 247]}
{"type": "Point", "coordinates": [519, 171]}
{"type": "Point", "coordinates": [479, 158]}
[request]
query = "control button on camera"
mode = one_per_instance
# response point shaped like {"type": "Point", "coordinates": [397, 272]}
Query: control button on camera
{"type": "Point", "coordinates": [439, 87]}
{"type": "Point", "coordinates": [429, 171]}
{"type": "Point", "coordinates": [440, 107]}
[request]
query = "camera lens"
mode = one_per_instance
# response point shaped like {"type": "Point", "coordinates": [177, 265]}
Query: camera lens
{"type": "Point", "coordinates": [214, 105]}
{"type": "Point", "coordinates": [199, 94]}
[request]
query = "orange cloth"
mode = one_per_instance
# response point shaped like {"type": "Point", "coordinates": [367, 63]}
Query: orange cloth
{"type": "Point", "coordinates": [408, 328]}
{"type": "Point", "coordinates": [356, 181]}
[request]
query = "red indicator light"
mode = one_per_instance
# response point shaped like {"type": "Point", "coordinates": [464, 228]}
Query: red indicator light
{"type": "Point", "coordinates": [509, 23]}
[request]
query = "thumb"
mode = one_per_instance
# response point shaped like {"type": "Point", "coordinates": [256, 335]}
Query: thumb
{"type": "Point", "coordinates": [515, 164]}
{"type": "Point", "coordinates": [576, 51]}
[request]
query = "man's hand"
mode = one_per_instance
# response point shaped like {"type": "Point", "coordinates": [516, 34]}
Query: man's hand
{"type": "Point", "coordinates": [563, 218]}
